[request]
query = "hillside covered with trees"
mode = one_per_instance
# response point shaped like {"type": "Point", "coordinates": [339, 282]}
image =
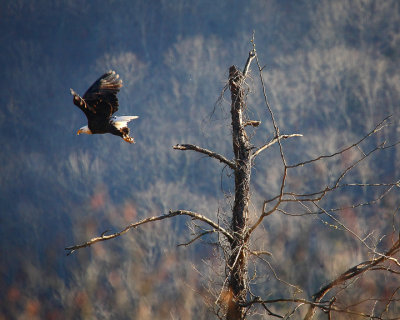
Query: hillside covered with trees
{"type": "Point", "coordinates": [332, 73]}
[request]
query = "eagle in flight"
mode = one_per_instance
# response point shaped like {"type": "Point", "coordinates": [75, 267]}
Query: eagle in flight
{"type": "Point", "coordinates": [99, 103]}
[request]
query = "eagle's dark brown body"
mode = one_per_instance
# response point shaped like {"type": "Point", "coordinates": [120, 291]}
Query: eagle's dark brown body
{"type": "Point", "coordinates": [99, 103]}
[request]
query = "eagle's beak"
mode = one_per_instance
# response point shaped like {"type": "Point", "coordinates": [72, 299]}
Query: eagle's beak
{"type": "Point", "coordinates": [79, 132]}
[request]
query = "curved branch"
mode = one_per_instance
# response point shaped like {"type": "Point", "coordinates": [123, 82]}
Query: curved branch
{"type": "Point", "coordinates": [171, 214]}
{"type": "Point", "coordinates": [207, 152]}
{"type": "Point", "coordinates": [351, 273]}
{"type": "Point", "coordinates": [196, 238]}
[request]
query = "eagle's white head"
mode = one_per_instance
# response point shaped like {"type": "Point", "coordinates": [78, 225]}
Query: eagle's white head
{"type": "Point", "coordinates": [84, 129]}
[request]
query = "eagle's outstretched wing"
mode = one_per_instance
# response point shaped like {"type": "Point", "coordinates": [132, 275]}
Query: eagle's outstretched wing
{"type": "Point", "coordinates": [100, 100]}
{"type": "Point", "coordinates": [102, 94]}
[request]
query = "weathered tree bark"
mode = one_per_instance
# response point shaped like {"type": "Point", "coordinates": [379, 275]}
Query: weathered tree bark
{"type": "Point", "coordinates": [237, 263]}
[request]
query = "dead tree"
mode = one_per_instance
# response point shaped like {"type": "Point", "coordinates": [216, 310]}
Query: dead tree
{"type": "Point", "coordinates": [237, 263]}
{"type": "Point", "coordinates": [236, 298]}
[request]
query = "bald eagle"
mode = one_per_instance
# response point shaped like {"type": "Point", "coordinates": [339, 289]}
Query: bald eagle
{"type": "Point", "coordinates": [99, 103]}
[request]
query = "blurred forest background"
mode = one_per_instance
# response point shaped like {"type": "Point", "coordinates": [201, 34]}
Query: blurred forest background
{"type": "Point", "coordinates": [332, 73]}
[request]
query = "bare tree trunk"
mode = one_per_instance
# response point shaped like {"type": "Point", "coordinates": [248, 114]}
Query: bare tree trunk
{"type": "Point", "coordinates": [237, 263]}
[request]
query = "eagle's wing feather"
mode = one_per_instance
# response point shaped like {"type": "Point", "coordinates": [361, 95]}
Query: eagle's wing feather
{"type": "Point", "coordinates": [101, 98]}
{"type": "Point", "coordinates": [80, 103]}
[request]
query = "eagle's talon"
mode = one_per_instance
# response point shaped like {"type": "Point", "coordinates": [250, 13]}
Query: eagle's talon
{"type": "Point", "coordinates": [129, 139]}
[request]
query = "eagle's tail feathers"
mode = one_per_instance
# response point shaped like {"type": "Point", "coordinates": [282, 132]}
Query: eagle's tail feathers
{"type": "Point", "coordinates": [122, 121]}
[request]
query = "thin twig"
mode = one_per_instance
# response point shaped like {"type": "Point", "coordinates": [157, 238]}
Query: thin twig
{"type": "Point", "coordinates": [273, 141]}
{"type": "Point", "coordinates": [318, 195]}
{"type": "Point", "coordinates": [357, 205]}
{"type": "Point", "coordinates": [277, 134]}
{"type": "Point", "coordinates": [195, 238]}
{"type": "Point", "coordinates": [365, 155]}
{"type": "Point", "coordinates": [258, 253]}
{"type": "Point", "coordinates": [375, 130]}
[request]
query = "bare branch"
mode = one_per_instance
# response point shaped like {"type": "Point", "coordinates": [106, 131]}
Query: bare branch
{"type": "Point", "coordinates": [326, 306]}
{"type": "Point", "coordinates": [378, 127]}
{"type": "Point", "coordinates": [390, 300]}
{"type": "Point", "coordinates": [355, 235]}
{"type": "Point", "coordinates": [258, 253]}
{"type": "Point", "coordinates": [209, 153]}
{"type": "Point", "coordinates": [304, 197]}
{"type": "Point", "coordinates": [171, 214]}
{"type": "Point", "coordinates": [351, 274]}
{"type": "Point", "coordinates": [276, 128]}
{"type": "Point", "coordinates": [379, 147]}
{"type": "Point", "coordinates": [289, 300]}
{"type": "Point", "coordinates": [383, 268]}
{"type": "Point", "coordinates": [252, 123]}
{"type": "Point", "coordinates": [195, 238]}
{"type": "Point", "coordinates": [296, 288]}
{"type": "Point", "coordinates": [252, 55]}
{"type": "Point", "coordinates": [275, 140]}
{"type": "Point", "coordinates": [270, 312]}
{"type": "Point", "coordinates": [356, 205]}
{"type": "Point", "coordinates": [278, 138]}
{"type": "Point", "coordinates": [317, 196]}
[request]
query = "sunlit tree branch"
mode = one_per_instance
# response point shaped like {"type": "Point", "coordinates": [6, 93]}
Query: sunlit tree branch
{"type": "Point", "coordinates": [171, 214]}
{"type": "Point", "coordinates": [209, 153]}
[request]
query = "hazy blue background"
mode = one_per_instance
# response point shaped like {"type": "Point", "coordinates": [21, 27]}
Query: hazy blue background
{"type": "Point", "coordinates": [332, 73]}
